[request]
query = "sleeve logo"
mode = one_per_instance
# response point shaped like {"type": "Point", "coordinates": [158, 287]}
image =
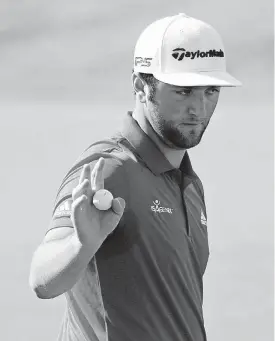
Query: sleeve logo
{"type": "Point", "coordinates": [64, 209]}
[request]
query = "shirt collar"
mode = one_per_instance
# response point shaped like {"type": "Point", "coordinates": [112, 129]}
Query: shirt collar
{"type": "Point", "coordinates": [148, 151]}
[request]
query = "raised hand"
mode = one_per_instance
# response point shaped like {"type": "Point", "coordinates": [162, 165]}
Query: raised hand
{"type": "Point", "coordinates": [92, 225]}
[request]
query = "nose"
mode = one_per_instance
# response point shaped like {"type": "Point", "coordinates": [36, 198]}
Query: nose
{"type": "Point", "coordinates": [198, 106]}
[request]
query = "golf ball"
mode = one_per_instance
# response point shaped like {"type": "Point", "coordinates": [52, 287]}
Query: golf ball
{"type": "Point", "coordinates": [103, 199]}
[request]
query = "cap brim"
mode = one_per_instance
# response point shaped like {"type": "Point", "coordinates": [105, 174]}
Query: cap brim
{"type": "Point", "coordinates": [215, 78]}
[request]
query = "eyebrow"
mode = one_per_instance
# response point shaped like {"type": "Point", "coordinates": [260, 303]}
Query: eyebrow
{"type": "Point", "coordinates": [175, 87]}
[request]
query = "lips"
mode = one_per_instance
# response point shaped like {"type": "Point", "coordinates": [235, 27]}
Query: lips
{"type": "Point", "coordinates": [191, 123]}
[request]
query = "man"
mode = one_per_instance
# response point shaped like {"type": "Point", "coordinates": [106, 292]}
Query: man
{"type": "Point", "coordinates": [134, 272]}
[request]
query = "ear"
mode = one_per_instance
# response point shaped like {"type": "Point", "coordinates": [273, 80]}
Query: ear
{"type": "Point", "coordinates": [138, 85]}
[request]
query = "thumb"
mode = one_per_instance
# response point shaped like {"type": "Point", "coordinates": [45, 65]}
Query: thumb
{"type": "Point", "coordinates": [118, 205]}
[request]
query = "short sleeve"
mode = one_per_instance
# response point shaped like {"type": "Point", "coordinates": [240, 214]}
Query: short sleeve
{"type": "Point", "coordinates": [199, 186]}
{"type": "Point", "coordinates": [114, 181]}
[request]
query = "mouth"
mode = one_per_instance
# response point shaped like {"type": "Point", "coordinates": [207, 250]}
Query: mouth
{"type": "Point", "coordinates": [191, 123]}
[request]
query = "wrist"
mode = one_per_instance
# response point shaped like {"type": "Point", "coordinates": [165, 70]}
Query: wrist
{"type": "Point", "coordinates": [82, 248]}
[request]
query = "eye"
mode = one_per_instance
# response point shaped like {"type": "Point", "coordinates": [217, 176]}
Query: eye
{"type": "Point", "coordinates": [184, 92]}
{"type": "Point", "coordinates": [213, 90]}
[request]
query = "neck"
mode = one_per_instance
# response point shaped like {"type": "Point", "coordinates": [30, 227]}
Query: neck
{"type": "Point", "coordinates": [174, 156]}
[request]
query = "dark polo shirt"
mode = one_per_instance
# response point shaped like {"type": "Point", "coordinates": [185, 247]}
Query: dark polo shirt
{"type": "Point", "coordinates": [145, 281]}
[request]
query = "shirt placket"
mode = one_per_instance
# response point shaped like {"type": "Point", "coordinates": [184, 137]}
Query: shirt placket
{"type": "Point", "coordinates": [179, 178]}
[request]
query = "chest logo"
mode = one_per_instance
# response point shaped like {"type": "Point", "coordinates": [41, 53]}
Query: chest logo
{"type": "Point", "coordinates": [157, 208]}
{"type": "Point", "coordinates": [203, 219]}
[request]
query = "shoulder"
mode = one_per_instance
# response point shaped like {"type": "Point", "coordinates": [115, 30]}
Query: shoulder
{"type": "Point", "coordinates": [114, 171]}
{"type": "Point", "coordinates": [114, 178]}
{"type": "Point", "coordinates": [107, 148]}
{"type": "Point", "coordinates": [199, 186]}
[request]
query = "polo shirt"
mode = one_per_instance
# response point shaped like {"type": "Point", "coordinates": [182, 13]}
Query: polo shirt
{"type": "Point", "coordinates": [145, 281]}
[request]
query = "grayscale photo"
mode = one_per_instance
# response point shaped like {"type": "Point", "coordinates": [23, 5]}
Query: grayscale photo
{"type": "Point", "coordinates": [138, 171]}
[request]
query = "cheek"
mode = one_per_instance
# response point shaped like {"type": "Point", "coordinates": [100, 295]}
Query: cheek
{"type": "Point", "coordinates": [169, 107]}
{"type": "Point", "coordinates": [210, 107]}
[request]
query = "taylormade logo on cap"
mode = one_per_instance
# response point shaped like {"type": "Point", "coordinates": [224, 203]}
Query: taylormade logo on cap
{"type": "Point", "coordinates": [181, 53]}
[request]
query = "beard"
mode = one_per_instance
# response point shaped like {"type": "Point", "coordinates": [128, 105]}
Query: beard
{"type": "Point", "coordinates": [184, 138]}
{"type": "Point", "coordinates": [177, 136]}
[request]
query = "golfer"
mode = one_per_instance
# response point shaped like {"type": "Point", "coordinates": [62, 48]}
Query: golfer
{"type": "Point", "coordinates": [134, 272]}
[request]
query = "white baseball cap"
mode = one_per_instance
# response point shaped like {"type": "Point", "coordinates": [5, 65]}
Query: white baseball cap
{"type": "Point", "coordinates": [183, 51]}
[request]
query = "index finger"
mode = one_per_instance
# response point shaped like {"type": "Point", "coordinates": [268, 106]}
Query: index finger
{"type": "Point", "coordinates": [97, 177]}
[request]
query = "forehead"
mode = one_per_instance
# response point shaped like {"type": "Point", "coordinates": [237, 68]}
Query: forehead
{"type": "Point", "coordinates": [179, 88]}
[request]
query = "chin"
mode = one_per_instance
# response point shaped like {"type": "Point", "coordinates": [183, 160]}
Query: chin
{"type": "Point", "coordinates": [186, 145]}
{"type": "Point", "coordinates": [177, 139]}
{"type": "Point", "coordinates": [183, 142]}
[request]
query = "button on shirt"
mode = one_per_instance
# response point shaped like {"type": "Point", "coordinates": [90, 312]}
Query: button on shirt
{"type": "Point", "coordinates": [145, 281]}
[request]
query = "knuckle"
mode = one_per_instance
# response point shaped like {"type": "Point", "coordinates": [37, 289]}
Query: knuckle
{"type": "Point", "coordinates": [75, 193]}
{"type": "Point", "coordinates": [76, 204]}
{"type": "Point", "coordinates": [85, 183]}
{"type": "Point", "coordinates": [80, 189]}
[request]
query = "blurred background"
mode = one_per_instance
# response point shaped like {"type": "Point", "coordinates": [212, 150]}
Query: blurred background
{"type": "Point", "coordinates": [65, 81]}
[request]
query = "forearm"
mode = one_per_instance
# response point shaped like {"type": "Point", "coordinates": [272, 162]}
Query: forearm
{"type": "Point", "coordinates": [57, 265]}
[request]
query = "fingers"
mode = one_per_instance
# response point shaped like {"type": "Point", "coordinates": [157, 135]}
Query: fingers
{"type": "Point", "coordinates": [83, 188]}
{"type": "Point", "coordinates": [85, 173]}
{"type": "Point", "coordinates": [78, 207]}
{"type": "Point", "coordinates": [118, 205]}
{"type": "Point", "coordinates": [97, 176]}
{"type": "Point", "coordinates": [90, 182]}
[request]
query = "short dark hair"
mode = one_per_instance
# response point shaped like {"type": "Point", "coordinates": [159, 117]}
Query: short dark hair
{"type": "Point", "coordinates": [151, 81]}
{"type": "Point", "coordinates": [148, 78]}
